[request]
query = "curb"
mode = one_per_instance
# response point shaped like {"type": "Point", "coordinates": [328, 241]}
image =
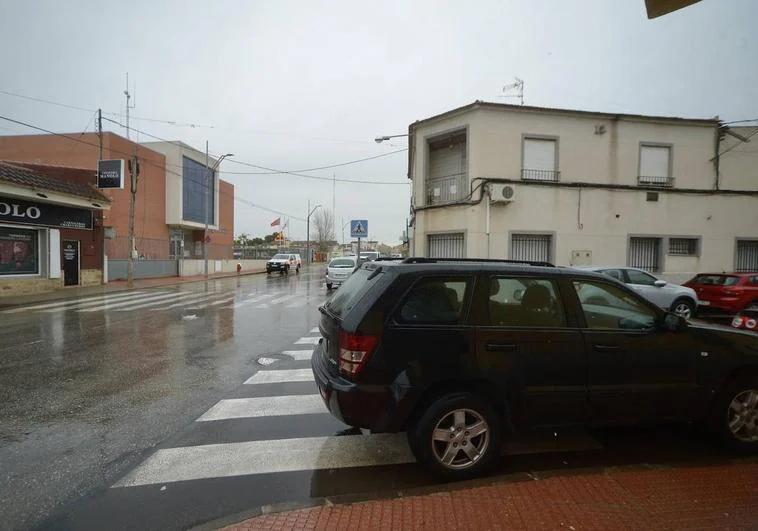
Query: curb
{"type": "Point", "coordinates": [442, 488]}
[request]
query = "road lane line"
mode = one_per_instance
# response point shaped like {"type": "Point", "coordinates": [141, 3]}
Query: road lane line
{"type": "Point", "coordinates": [131, 297]}
{"type": "Point", "coordinates": [252, 300]}
{"type": "Point", "coordinates": [308, 341]}
{"type": "Point", "coordinates": [298, 355]}
{"type": "Point", "coordinates": [71, 301]}
{"type": "Point", "coordinates": [267, 457]}
{"type": "Point", "coordinates": [283, 299]}
{"type": "Point", "coordinates": [281, 376]}
{"type": "Point", "coordinates": [270, 406]}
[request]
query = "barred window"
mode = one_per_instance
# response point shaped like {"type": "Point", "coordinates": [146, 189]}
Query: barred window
{"type": "Point", "coordinates": [683, 246]}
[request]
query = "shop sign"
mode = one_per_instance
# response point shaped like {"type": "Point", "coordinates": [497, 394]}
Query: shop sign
{"type": "Point", "coordinates": [110, 174]}
{"type": "Point", "coordinates": [28, 213]}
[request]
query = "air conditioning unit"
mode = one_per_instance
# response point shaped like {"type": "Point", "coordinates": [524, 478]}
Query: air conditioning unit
{"type": "Point", "coordinates": [502, 193]}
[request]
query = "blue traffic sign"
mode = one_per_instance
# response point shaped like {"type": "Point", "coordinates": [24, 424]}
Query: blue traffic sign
{"type": "Point", "coordinates": [358, 228]}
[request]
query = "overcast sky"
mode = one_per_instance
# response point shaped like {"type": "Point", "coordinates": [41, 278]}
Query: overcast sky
{"type": "Point", "coordinates": [302, 84]}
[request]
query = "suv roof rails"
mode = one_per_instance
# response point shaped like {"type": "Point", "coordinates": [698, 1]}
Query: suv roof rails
{"type": "Point", "coordinates": [421, 260]}
{"type": "Point", "coordinates": [386, 259]}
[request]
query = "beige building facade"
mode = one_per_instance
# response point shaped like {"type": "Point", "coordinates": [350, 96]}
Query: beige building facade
{"type": "Point", "coordinates": [670, 195]}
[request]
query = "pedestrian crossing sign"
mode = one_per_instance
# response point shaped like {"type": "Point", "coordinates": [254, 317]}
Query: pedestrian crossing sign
{"type": "Point", "coordinates": [358, 228]}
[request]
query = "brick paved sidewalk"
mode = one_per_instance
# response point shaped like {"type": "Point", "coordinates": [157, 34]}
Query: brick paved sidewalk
{"type": "Point", "coordinates": [708, 497]}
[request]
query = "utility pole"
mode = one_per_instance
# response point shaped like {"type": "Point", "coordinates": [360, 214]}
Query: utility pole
{"type": "Point", "coordinates": [134, 174]}
{"type": "Point", "coordinates": [100, 130]}
{"type": "Point", "coordinates": [207, 199]}
{"type": "Point", "coordinates": [334, 205]}
{"type": "Point", "coordinates": [128, 105]}
{"type": "Point", "coordinates": [308, 235]}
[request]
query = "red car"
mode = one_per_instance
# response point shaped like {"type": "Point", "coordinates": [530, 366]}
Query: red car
{"type": "Point", "coordinates": [728, 293]}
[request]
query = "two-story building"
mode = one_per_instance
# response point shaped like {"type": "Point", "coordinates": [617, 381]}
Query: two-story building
{"type": "Point", "coordinates": [670, 195]}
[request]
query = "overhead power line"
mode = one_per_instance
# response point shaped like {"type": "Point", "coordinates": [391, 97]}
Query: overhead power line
{"type": "Point", "coordinates": [273, 171]}
{"type": "Point", "coordinates": [128, 155]}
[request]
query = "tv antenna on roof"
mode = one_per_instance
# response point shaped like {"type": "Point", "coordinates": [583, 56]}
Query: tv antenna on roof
{"type": "Point", "coordinates": [128, 105]}
{"type": "Point", "coordinates": [518, 86]}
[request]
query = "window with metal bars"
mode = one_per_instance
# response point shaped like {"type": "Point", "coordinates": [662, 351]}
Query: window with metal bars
{"type": "Point", "coordinates": [644, 253]}
{"type": "Point", "coordinates": [532, 247]}
{"type": "Point", "coordinates": [683, 246]}
{"type": "Point", "coordinates": [746, 257]}
{"type": "Point", "coordinates": [449, 245]}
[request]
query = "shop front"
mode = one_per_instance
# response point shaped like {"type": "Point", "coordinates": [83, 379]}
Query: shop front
{"type": "Point", "coordinates": [49, 242]}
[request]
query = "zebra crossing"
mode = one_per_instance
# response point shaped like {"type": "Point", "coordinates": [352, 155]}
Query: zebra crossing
{"type": "Point", "coordinates": [162, 300]}
{"type": "Point", "coordinates": [297, 452]}
{"type": "Point", "coordinates": [283, 394]}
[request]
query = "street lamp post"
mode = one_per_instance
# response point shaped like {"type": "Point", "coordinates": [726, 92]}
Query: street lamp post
{"type": "Point", "coordinates": [384, 138]}
{"type": "Point", "coordinates": [208, 172]}
{"type": "Point", "coordinates": [308, 232]}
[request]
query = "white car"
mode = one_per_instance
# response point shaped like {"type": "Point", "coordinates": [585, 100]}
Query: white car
{"type": "Point", "coordinates": [283, 262]}
{"type": "Point", "coordinates": [671, 297]}
{"type": "Point", "coordinates": [339, 269]}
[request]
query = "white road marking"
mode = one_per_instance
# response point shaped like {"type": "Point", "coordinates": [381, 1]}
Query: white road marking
{"type": "Point", "coordinates": [266, 457]}
{"type": "Point", "coordinates": [262, 306]}
{"type": "Point", "coordinates": [269, 406]}
{"type": "Point", "coordinates": [297, 304]}
{"type": "Point", "coordinates": [308, 341]}
{"type": "Point", "coordinates": [148, 304]}
{"type": "Point", "coordinates": [252, 300]}
{"type": "Point", "coordinates": [230, 299]}
{"type": "Point", "coordinates": [266, 361]}
{"type": "Point", "coordinates": [282, 299]}
{"type": "Point", "coordinates": [293, 375]}
{"type": "Point", "coordinates": [163, 295]}
{"type": "Point", "coordinates": [204, 297]}
{"type": "Point", "coordinates": [72, 301]}
{"type": "Point", "coordinates": [133, 298]}
{"type": "Point", "coordinates": [315, 330]}
{"type": "Point", "coordinates": [299, 354]}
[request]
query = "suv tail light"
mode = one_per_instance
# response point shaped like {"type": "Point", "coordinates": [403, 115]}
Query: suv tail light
{"type": "Point", "coordinates": [737, 322]}
{"type": "Point", "coordinates": [751, 324]}
{"type": "Point", "coordinates": [355, 350]}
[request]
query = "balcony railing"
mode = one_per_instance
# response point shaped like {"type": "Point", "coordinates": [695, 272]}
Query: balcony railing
{"type": "Point", "coordinates": [449, 189]}
{"type": "Point", "coordinates": [657, 181]}
{"type": "Point", "coordinates": [552, 176]}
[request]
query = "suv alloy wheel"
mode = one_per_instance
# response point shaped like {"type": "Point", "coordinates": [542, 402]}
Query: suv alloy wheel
{"type": "Point", "coordinates": [457, 436]}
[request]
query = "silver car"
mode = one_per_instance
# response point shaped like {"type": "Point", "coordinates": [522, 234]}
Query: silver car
{"type": "Point", "coordinates": [672, 297]}
{"type": "Point", "coordinates": [339, 269]}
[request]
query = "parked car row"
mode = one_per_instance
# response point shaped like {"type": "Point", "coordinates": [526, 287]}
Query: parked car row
{"type": "Point", "coordinates": [457, 353]}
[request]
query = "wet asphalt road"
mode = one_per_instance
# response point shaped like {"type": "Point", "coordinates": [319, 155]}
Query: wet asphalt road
{"type": "Point", "coordinates": [175, 406]}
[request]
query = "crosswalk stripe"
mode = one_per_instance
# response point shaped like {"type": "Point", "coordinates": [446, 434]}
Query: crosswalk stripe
{"type": "Point", "coordinates": [271, 406]}
{"type": "Point", "coordinates": [216, 303]}
{"type": "Point", "coordinates": [203, 297]}
{"type": "Point", "coordinates": [282, 376]}
{"type": "Point", "coordinates": [132, 298]}
{"type": "Point", "coordinates": [148, 304]}
{"type": "Point", "coordinates": [315, 330]}
{"type": "Point", "coordinates": [297, 304]}
{"type": "Point", "coordinates": [283, 299]}
{"type": "Point", "coordinates": [149, 298]}
{"type": "Point", "coordinates": [71, 301]}
{"type": "Point", "coordinates": [272, 456]}
{"type": "Point", "coordinates": [308, 341]}
{"type": "Point", "coordinates": [253, 300]}
{"type": "Point", "coordinates": [298, 355]}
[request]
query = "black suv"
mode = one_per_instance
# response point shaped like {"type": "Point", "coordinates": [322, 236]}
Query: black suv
{"type": "Point", "coordinates": [458, 352]}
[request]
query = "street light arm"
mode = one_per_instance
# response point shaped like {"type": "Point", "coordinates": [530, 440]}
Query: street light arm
{"type": "Point", "coordinates": [381, 139]}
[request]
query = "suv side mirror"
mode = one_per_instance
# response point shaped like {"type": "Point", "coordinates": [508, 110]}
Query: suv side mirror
{"type": "Point", "coordinates": [659, 283]}
{"type": "Point", "coordinates": [674, 323]}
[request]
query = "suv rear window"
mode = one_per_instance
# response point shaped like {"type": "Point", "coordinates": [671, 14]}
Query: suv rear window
{"type": "Point", "coordinates": [342, 262]}
{"type": "Point", "coordinates": [715, 280]}
{"type": "Point", "coordinates": [352, 290]}
{"type": "Point", "coordinates": [434, 301]}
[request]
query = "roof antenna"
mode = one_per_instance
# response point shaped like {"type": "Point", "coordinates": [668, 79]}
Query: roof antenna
{"type": "Point", "coordinates": [518, 86]}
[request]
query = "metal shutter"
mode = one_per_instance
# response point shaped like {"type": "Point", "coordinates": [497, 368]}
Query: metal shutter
{"type": "Point", "coordinates": [533, 247]}
{"type": "Point", "coordinates": [644, 253]}
{"type": "Point", "coordinates": [747, 256]}
{"type": "Point", "coordinates": [539, 154]}
{"type": "Point", "coordinates": [447, 173]}
{"type": "Point", "coordinates": [446, 245]}
{"type": "Point", "coordinates": [654, 164]}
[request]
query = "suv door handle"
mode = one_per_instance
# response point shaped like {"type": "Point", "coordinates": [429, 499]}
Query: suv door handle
{"type": "Point", "coordinates": [501, 347]}
{"type": "Point", "coordinates": [606, 348]}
